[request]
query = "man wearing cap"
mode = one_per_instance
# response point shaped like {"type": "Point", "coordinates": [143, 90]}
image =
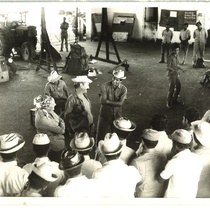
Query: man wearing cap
{"type": "Point", "coordinates": [78, 115]}
{"type": "Point", "coordinates": [77, 185]}
{"type": "Point", "coordinates": [167, 36]}
{"type": "Point", "coordinates": [173, 68]}
{"type": "Point", "coordinates": [119, 179]}
{"type": "Point", "coordinates": [12, 177]}
{"type": "Point", "coordinates": [41, 147]}
{"type": "Point", "coordinates": [184, 37]}
{"type": "Point", "coordinates": [83, 144]}
{"type": "Point", "coordinates": [184, 169]}
{"type": "Point", "coordinates": [39, 179]}
{"type": "Point", "coordinates": [201, 133]}
{"type": "Point", "coordinates": [149, 164]}
{"type": "Point", "coordinates": [58, 89]}
{"type": "Point", "coordinates": [112, 96]}
{"type": "Point", "coordinates": [200, 37]}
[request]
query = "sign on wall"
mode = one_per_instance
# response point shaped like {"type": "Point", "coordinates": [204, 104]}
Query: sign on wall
{"type": "Point", "coordinates": [176, 18]}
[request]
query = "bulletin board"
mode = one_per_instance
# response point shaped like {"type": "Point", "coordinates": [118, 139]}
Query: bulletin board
{"type": "Point", "coordinates": [176, 18]}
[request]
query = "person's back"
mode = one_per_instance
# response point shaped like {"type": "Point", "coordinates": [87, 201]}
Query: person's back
{"type": "Point", "coordinates": [12, 177]}
{"type": "Point", "coordinates": [184, 169]}
{"type": "Point", "coordinates": [149, 164]}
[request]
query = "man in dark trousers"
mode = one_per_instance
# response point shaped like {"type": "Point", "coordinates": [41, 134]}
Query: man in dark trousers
{"type": "Point", "coordinates": [64, 34]}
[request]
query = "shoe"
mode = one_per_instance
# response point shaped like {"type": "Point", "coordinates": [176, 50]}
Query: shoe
{"type": "Point", "coordinates": [168, 106]}
{"type": "Point", "coordinates": [177, 103]}
{"type": "Point", "coordinates": [162, 62]}
{"type": "Point", "coordinates": [202, 83]}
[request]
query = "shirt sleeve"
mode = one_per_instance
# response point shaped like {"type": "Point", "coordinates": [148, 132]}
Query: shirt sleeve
{"type": "Point", "coordinates": [168, 171]}
{"type": "Point", "coordinates": [47, 89]}
{"type": "Point", "coordinates": [69, 106]}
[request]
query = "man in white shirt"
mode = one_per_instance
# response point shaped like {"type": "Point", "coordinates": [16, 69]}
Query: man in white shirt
{"type": "Point", "coordinates": [184, 37]}
{"type": "Point", "coordinates": [12, 177]}
{"type": "Point", "coordinates": [119, 180]}
{"type": "Point", "coordinates": [167, 36]}
{"type": "Point", "coordinates": [184, 169]}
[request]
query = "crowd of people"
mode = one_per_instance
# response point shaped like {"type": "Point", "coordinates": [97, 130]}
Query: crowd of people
{"type": "Point", "coordinates": [75, 158]}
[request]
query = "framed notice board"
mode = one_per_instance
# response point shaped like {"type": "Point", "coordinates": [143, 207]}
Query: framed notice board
{"type": "Point", "coordinates": [122, 26]}
{"type": "Point", "coordinates": [176, 18]}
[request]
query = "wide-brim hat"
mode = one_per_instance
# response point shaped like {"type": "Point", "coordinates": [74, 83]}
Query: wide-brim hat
{"type": "Point", "coordinates": [182, 136]}
{"type": "Point", "coordinates": [54, 76]}
{"type": "Point", "coordinates": [150, 134]}
{"type": "Point", "coordinates": [118, 73]}
{"type": "Point", "coordinates": [111, 145]}
{"type": "Point", "coordinates": [70, 159]}
{"type": "Point", "coordinates": [10, 143]}
{"type": "Point", "coordinates": [206, 116]}
{"type": "Point", "coordinates": [45, 171]}
{"type": "Point", "coordinates": [124, 124]}
{"type": "Point", "coordinates": [201, 130]}
{"type": "Point", "coordinates": [82, 78]}
{"type": "Point", "coordinates": [82, 142]}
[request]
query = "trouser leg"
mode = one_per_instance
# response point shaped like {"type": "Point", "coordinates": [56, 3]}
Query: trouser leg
{"type": "Point", "coordinates": [163, 52]}
{"type": "Point", "coordinates": [172, 85]}
{"type": "Point", "coordinates": [62, 39]}
{"type": "Point", "coordinates": [177, 89]}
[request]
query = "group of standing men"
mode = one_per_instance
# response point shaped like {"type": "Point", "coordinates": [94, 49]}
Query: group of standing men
{"type": "Point", "coordinates": [173, 64]}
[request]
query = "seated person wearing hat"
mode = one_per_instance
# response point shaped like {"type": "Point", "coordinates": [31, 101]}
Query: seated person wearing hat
{"type": "Point", "coordinates": [112, 95]}
{"type": "Point", "coordinates": [149, 164]}
{"type": "Point", "coordinates": [48, 122]}
{"type": "Point", "coordinates": [77, 185]}
{"type": "Point", "coordinates": [122, 127]}
{"type": "Point", "coordinates": [58, 89]}
{"type": "Point", "coordinates": [41, 147]}
{"type": "Point", "coordinates": [201, 133]}
{"type": "Point", "coordinates": [38, 180]}
{"type": "Point", "coordinates": [83, 144]}
{"type": "Point", "coordinates": [78, 115]}
{"type": "Point", "coordinates": [184, 169]}
{"type": "Point", "coordinates": [119, 179]}
{"type": "Point", "coordinates": [12, 177]}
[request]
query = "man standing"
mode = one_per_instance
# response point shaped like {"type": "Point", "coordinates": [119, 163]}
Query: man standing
{"type": "Point", "coordinates": [78, 116]}
{"type": "Point", "coordinates": [64, 34]}
{"type": "Point", "coordinates": [184, 169]}
{"type": "Point", "coordinates": [173, 76]}
{"type": "Point", "coordinates": [184, 37]}
{"type": "Point", "coordinates": [112, 96]}
{"type": "Point", "coordinates": [167, 36]}
{"type": "Point", "coordinates": [200, 35]}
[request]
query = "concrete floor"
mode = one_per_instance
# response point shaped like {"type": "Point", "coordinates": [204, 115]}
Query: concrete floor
{"type": "Point", "coordinates": [146, 82]}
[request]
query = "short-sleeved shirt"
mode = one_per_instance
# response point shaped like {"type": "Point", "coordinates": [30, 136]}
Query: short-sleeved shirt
{"type": "Point", "coordinates": [184, 34]}
{"type": "Point", "coordinates": [183, 172]}
{"type": "Point", "coordinates": [12, 179]}
{"type": "Point", "coordinates": [109, 112]}
{"type": "Point", "coordinates": [149, 164]}
{"type": "Point", "coordinates": [173, 62]}
{"type": "Point", "coordinates": [167, 36]}
{"type": "Point", "coordinates": [56, 90]}
{"type": "Point", "coordinates": [64, 27]}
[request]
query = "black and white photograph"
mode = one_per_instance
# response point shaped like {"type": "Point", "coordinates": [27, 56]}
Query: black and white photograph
{"type": "Point", "coordinates": [105, 104]}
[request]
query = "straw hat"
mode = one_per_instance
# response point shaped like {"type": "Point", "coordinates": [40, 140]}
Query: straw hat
{"type": "Point", "coordinates": [202, 131]}
{"type": "Point", "coordinates": [124, 124]}
{"type": "Point", "coordinates": [182, 136]}
{"type": "Point", "coordinates": [41, 139]}
{"type": "Point", "coordinates": [45, 171]}
{"type": "Point", "coordinates": [70, 159]}
{"type": "Point", "coordinates": [82, 78]}
{"type": "Point", "coordinates": [82, 142]}
{"type": "Point", "coordinates": [150, 134]}
{"type": "Point", "coordinates": [54, 76]}
{"type": "Point", "coordinates": [10, 143]}
{"type": "Point", "coordinates": [118, 73]}
{"type": "Point", "coordinates": [111, 144]}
